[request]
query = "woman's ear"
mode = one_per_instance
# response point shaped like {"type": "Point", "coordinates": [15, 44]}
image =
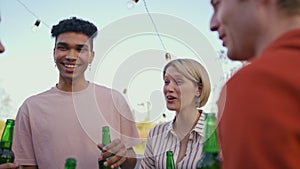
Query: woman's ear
{"type": "Point", "coordinates": [199, 89]}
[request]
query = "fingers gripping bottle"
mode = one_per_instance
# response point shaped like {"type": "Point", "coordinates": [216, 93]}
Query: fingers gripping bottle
{"type": "Point", "coordinates": [6, 153]}
{"type": "Point", "coordinates": [105, 141]}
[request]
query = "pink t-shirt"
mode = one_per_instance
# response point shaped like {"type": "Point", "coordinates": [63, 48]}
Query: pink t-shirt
{"type": "Point", "coordinates": [55, 125]}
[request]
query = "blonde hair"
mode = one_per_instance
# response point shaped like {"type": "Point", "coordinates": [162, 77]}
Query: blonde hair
{"type": "Point", "coordinates": [195, 72]}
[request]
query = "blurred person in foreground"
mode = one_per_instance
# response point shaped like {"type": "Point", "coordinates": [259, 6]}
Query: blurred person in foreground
{"type": "Point", "coordinates": [260, 105]}
{"type": "Point", "coordinates": [186, 89]}
{"type": "Point", "coordinates": [7, 165]}
{"type": "Point", "coordinates": [65, 121]}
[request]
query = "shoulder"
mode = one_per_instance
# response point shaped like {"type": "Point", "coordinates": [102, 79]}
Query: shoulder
{"type": "Point", "coordinates": [160, 129]}
{"type": "Point", "coordinates": [266, 72]}
{"type": "Point", "coordinates": [33, 102]}
{"type": "Point", "coordinates": [39, 96]}
{"type": "Point", "coordinates": [100, 89]}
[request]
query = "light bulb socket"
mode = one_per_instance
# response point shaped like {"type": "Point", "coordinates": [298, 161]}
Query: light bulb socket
{"type": "Point", "coordinates": [168, 56]}
{"type": "Point", "coordinates": [37, 23]}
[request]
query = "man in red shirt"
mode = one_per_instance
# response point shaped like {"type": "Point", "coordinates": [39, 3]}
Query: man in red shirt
{"type": "Point", "coordinates": [259, 106]}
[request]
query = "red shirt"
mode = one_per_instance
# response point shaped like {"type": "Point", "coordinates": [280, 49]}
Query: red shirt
{"type": "Point", "coordinates": [260, 125]}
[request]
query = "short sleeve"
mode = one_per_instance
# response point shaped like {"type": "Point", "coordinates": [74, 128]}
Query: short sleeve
{"type": "Point", "coordinates": [22, 140]}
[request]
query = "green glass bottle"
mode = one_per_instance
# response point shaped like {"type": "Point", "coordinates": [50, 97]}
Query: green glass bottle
{"type": "Point", "coordinates": [70, 163]}
{"type": "Point", "coordinates": [211, 157]}
{"type": "Point", "coordinates": [170, 161]}
{"type": "Point", "coordinates": [105, 141]}
{"type": "Point", "coordinates": [6, 154]}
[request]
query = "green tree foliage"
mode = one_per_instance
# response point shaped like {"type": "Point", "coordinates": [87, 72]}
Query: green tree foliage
{"type": "Point", "coordinates": [5, 104]}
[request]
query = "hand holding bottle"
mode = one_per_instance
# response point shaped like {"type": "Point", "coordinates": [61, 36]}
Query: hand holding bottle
{"type": "Point", "coordinates": [117, 152]}
{"type": "Point", "coordinates": [6, 154]}
{"type": "Point", "coordinates": [9, 166]}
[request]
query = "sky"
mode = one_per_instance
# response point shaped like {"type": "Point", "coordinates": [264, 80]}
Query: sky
{"type": "Point", "coordinates": [130, 47]}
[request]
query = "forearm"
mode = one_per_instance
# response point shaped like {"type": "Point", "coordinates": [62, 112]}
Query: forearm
{"type": "Point", "coordinates": [29, 167]}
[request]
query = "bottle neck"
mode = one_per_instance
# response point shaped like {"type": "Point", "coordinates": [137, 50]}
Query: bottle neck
{"type": "Point", "coordinates": [105, 136]}
{"type": "Point", "coordinates": [211, 144]}
{"type": "Point", "coordinates": [7, 137]}
{"type": "Point", "coordinates": [170, 160]}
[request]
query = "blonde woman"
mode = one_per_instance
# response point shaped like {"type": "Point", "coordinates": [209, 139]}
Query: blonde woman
{"type": "Point", "coordinates": [186, 89]}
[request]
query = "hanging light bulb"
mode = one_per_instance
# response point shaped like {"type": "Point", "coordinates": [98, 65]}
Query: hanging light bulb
{"type": "Point", "coordinates": [168, 56]}
{"type": "Point", "coordinates": [125, 91]}
{"type": "Point", "coordinates": [131, 3]}
{"type": "Point", "coordinates": [36, 25]}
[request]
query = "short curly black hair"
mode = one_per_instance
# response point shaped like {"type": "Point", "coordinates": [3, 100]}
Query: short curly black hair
{"type": "Point", "coordinates": [75, 25]}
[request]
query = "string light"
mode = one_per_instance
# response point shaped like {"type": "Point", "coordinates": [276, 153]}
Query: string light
{"type": "Point", "coordinates": [36, 25]}
{"type": "Point", "coordinates": [131, 3]}
{"type": "Point", "coordinates": [125, 91]}
{"type": "Point", "coordinates": [38, 21]}
{"type": "Point", "coordinates": [168, 56]}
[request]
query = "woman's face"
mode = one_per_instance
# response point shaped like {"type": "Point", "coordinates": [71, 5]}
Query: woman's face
{"type": "Point", "coordinates": [179, 91]}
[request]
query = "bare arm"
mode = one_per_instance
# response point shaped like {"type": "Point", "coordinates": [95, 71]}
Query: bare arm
{"type": "Point", "coordinates": [29, 167]}
{"type": "Point", "coordinates": [9, 166]}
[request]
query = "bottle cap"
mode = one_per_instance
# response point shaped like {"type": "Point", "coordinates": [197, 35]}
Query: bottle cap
{"type": "Point", "coordinates": [10, 121]}
{"type": "Point", "coordinates": [105, 129]}
{"type": "Point", "coordinates": [70, 162]}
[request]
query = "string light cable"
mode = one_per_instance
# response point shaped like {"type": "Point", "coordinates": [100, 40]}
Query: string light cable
{"type": "Point", "coordinates": [32, 13]}
{"type": "Point", "coordinates": [154, 25]}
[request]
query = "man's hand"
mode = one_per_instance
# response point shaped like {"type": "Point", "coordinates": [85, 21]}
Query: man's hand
{"type": "Point", "coordinates": [9, 166]}
{"type": "Point", "coordinates": [118, 155]}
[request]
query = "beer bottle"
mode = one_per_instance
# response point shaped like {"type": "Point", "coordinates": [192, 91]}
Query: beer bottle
{"type": "Point", "coordinates": [210, 158]}
{"type": "Point", "coordinates": [70, 163]}
{"type": "Point", "coordinates": [105, 141]}
{"type": "Point", "coordinates": [6, 154]}
{"type": "Point", "coordinates": [170, 161]}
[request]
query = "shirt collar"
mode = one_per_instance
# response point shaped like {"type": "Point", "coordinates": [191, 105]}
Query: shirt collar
{"type": "Point", "coordinates": [199, 127]}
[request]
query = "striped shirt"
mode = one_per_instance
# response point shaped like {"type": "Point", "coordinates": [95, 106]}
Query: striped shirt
{"type": "Point", "coordinates": [162, 138]}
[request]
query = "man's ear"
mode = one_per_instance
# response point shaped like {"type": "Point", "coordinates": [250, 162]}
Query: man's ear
{"type": "Point", "coordinates": [91, 57]}
{"type": "Point", "coordinates": [54, 55]}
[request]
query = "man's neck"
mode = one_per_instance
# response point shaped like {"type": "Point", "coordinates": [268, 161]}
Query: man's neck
{"type": "Point", "coordinates": [275, 25]}
{"type": "Point", "coordinates": [72, 85]}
